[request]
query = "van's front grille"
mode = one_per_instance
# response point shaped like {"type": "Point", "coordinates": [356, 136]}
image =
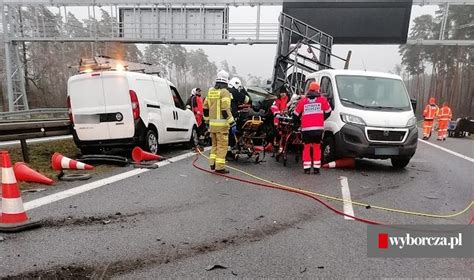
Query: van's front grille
{"type": "Point", "coordinates": [386, 135]}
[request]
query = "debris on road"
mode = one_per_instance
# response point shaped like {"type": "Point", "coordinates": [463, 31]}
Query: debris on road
{"type": "Point", "coordinates": [215, 266]}
{"type": "Point", "coordinates": [303, 269]}
{"type": "Point", "coordinates": [234, 273]}
{"type": "Point", "coordinates": [2, 238]}
{"type": "Point", "coordinates": [320, 267]}
{"type": "Point", "coordinates": [260, 217]}
{"type": "Point", "coordinates": [106, 222]}
{"type": "Point", "coordinates": [431, 197]}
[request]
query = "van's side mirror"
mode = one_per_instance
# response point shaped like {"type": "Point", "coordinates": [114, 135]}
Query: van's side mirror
{"type": "Point", "coordinates": [414, 102]}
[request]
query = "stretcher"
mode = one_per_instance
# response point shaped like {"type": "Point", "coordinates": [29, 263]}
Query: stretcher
{"type": "Point", "coordinates": [290, 139]}
{"type": "Point", "coordinates": [250, 138]}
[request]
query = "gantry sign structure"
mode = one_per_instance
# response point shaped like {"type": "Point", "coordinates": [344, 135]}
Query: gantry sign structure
{"type": "Point", "coordinates": [149, 22]}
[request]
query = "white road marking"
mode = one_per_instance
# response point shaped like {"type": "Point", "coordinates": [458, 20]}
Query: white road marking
{"type": "Point", "coordinates": [346, 196]}
{"type": "Point", "coordinates": [97, 184]}
{"type": "Point", "coordinates": [448, 151]}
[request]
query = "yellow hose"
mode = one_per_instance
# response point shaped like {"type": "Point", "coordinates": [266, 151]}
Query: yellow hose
{"type": "Point", "coordinates": [354, 202]}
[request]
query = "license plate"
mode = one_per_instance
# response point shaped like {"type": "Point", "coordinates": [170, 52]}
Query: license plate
{"type": "Point", "coordinates": [386, 151]}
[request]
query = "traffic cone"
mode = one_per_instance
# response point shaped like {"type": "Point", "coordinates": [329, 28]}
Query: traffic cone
{"type": "Point", "coordinates": [13, 217]}
{"type": "Point", "coordinates": [60, 162]}
{"type": "Point", "coordinates": [341, 163]}
{"type": "Point", "coordinates": [139, 155]}
{"type": "Point", "coordinates": [23, 173]}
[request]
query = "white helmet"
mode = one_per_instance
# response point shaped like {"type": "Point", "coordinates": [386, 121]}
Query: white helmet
{"type": "Point", "coordinates": [222, 77]}
{"type": "Point", "coordinates": [235, 83]}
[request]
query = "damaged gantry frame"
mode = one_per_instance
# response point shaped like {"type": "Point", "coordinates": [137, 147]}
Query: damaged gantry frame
{"type": "Point", "coordinates": [301, 49]}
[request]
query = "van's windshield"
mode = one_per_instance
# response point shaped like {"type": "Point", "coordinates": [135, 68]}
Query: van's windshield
{"type": "Point", "coordinates": [372, 93]}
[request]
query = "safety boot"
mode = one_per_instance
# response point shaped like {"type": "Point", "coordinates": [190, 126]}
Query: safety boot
{"type": "Point", "coordinates": [213, 167]}
{"type": "Point", "coordinates": [316, 171]}
{"type": "Point", "coordinates": [307, 171]}
{"type": "Point", "coordinates": [222, 171]}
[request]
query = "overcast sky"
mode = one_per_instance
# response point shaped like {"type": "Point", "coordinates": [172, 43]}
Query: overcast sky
{"type": "Point", "coordinates": [259, 59]}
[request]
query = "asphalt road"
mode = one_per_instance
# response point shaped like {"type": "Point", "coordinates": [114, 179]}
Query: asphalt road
{"type": "Point", "coordinates": [175, 221]}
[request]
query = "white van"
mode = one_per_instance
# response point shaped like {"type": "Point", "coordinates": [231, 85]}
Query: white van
{"type": "Point", "coordinates": [372, 116]}
{"type": "Point", "coordinates": [124, 109]}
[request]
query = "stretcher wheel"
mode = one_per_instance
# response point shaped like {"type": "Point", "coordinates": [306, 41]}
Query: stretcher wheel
{"type": "Point", "coordinates": [284, 161]}
{"type": "Point", "coordinates": [277, 157]}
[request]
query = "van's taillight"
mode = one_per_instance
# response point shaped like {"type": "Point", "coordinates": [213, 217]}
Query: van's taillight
{"type": "Point", "coordinates": [135, 105]}
{"type": "Point", "coordinates": [69, 109]}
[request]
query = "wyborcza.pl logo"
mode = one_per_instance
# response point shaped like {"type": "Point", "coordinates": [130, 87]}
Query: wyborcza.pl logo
{"type": "Point", "coordinates": [424, 241]}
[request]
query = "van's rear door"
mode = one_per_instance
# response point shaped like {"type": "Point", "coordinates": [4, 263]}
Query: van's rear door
{"type": "Point", "coordinates": [119, 117]}
{"type": "Point", "coordinates": [86, 93]}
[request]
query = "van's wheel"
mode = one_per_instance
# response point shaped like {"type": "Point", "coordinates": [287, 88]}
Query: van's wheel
{"type": "Point", "coordinates": [400, 162]}
{"type": "Point", "coordinates": [151, 142]}
{"type": "Point", "coordinates": [194, 140]}
{"type": "Point", "coordinates": [328, 150]}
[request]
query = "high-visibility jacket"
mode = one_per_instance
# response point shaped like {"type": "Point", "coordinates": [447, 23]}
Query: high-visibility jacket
{"type": "Point", "coordinates": [445, 114]}
{"type": "Point", "coordinates": [311, 109]}
{"type": "Point", "coordinates": [197, 107]}
{"type": "Point", "coordinates": [430, 112]}
{"type": "Point", "coordinates": [279, 105]}
{"type": "Point", "coordinates": [217, 111]}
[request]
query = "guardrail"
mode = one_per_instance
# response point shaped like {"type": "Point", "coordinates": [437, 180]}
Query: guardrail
{"type": "Point", "coordinates": [29, 129]}
{"type": "Point", "coordinates": [43, 113]}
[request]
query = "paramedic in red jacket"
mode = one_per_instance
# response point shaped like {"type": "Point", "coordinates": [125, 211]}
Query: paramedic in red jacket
{"type": "Point", "coordinates": [313, 109]}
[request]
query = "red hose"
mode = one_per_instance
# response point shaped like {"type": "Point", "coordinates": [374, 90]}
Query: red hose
{"type": "Point", "coordinates": [288, 190]}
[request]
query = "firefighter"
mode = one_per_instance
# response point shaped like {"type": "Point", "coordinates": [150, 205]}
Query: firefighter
{"type": "Point", "coordinates": [239, 97]}
{"type": "Point", "coordinates": [429, 114]}
{"type": "Point", "coordinates": [312, 110]}
{"type": "Point", "coordinates": [279, 107]}
{"type": "Point", "coordinates": [218, 114]}
{"type": "Point", "coordinates": [444, 117]}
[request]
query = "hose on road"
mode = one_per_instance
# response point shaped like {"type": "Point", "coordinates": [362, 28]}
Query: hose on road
{"type": "Point", "coordinates": [293, 190]}
{"type": "Point", "coordinates": [313, 195]}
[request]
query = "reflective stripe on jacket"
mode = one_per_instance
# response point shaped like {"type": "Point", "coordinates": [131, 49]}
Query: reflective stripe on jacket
{"type": "Point", "coordinates": [217, 111]}
{"type": "Point", "coordinates": [445, 114]}
{"type": "Point", "coordinates": [430, 112]}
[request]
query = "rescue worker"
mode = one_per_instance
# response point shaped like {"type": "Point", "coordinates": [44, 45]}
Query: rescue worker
{"type": "Point", "coordinates": [218, 114]}
{"type": "Point", "coordinates": [444, 117]}
{"type": "Point", "coordinates": [312, 110]}
{"type": "Point", "coordinates": [239, 97]}
{"type": "Point", "coordinates": [278, 108]}
{"type": "Point", "coordinates": [195, 104]}
{"type": "Point", "coordinates": [429, 114]}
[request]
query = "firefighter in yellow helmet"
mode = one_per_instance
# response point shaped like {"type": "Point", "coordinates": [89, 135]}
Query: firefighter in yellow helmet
{"type": "Point", "coordinates": [217, 113]}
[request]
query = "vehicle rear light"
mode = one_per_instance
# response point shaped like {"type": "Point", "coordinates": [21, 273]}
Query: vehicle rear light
{"type": "Point", "coordinates": [95, 74]}
{"type": "Point", "coordinates": [69, 109]}
{"type": "Point", "coordinates": [135, 105]}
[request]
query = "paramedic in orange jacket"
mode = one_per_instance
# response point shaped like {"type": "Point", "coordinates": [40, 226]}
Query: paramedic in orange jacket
{"type": "Point", "coordinates": [444, 117]}
{"type": "Point", "coordinates": [429, 114]}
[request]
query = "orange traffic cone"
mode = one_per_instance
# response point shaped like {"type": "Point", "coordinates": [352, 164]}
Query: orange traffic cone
{"type": "Point", "coordinates": [23, 173]}
{"type": "Point", "coordinates": [60, 162]}
{"type": "Point", "coordinates": [341, 163]}
{"type": "Point", "coordinates": [13, 217]}
{"type": "Point", "coordinates": [139, 155]}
